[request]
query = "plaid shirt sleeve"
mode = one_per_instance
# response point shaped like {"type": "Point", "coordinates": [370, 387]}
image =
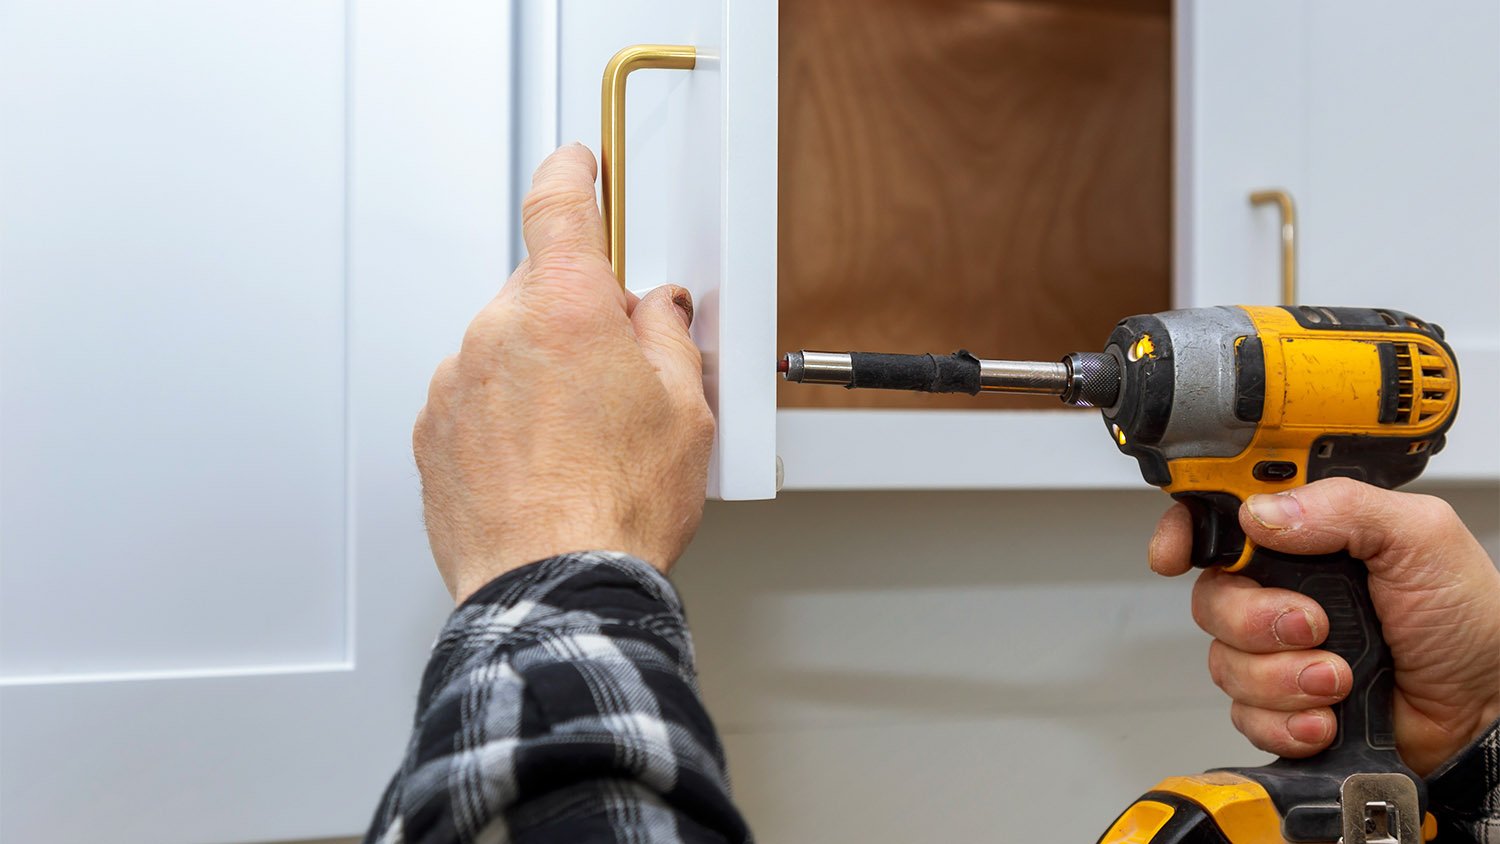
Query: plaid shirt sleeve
{"type": "Point", "coordinates": [561, 704]}
{"type": "Point", "coordinates": [1465, 792]}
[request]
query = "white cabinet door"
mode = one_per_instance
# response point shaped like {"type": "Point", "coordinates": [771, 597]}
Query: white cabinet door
{"type": "Point", "coordinates": [1240, 105]}
{"type": "Point", "coordinates": [1383, 122]}
{"type": "Point", "coordinates": [1402, 204]}
{"type": "Point", "coordinates": [235, 238]}
{"type": "Point", "coordinates": [701, 190]}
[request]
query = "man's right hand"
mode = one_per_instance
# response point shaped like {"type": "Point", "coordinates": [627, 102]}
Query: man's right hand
{"type": "Point", "coordinates": [1436, 591]}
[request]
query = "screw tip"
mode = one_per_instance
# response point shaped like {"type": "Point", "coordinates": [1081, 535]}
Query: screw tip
{"type": "Point", "coordinates": [783, 365]}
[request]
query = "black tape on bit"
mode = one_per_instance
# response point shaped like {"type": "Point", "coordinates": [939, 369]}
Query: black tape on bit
{"type": "Point", "coordinates": [956, 373]}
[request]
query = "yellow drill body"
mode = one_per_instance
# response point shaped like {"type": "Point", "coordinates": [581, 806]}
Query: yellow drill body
{"type": "Point", "coordinates": [1217, 404]}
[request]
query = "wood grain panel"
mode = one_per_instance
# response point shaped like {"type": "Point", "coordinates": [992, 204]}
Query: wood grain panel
{"type": "Point", "coordinates": [985, 174]}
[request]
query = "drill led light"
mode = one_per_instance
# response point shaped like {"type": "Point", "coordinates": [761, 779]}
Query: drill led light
{"type": "Point", "coordinates": [1140, 348]}
{"type": "Point", "coordinates": [1119, 434]}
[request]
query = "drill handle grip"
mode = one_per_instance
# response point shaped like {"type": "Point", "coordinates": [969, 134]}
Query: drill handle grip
{"type": "Point", "coordinates": [1308, 792]}
{"type": "Point", "coordinates": [1340, 584]}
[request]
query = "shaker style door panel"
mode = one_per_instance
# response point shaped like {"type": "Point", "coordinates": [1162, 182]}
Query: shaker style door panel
{"type": "Point", "coordinates": [235, 239]}
{"type": "Point", "coordinates": [700, 192]}
{"type": "Point", "coordinates": [161, 401]}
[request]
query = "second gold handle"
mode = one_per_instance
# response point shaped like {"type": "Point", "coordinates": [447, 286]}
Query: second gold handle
{"type": "Point", "coordinates": [1283, 201]}
{"type": "Point", "coordinates": [612, 123]}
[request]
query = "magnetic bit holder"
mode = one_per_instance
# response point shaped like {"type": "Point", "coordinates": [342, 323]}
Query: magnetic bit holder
{"type": "Point", "coordinates": [956, 373]}
{"type": "Point", "coordinates": [1088, 379]}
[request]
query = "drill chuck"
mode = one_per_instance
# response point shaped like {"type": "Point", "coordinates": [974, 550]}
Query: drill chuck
{"type": "Point", "coordinates": [1084, 379]}
{"type": "Point", "coordinates": [1093, 379]}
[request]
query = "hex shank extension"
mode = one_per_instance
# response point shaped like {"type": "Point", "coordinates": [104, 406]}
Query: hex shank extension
{"type": "Point", "coordinates": [1085, 379]}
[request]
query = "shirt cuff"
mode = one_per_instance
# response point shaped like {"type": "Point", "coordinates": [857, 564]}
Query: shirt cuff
{"type": "Point", "coordinates": [1469, 783]}
{"type": "Point", "coordinates": [546, 579]}
{"type": "Point", "coordinates": [568, 592]}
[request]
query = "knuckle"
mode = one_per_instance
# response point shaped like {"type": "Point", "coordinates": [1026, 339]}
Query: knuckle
{"type": "Point", "coordinates": [1335, 500]}
{"type": "Point", "coordinates": [702, 421]}
{"type": "Point", "coordinates": [569, 221]}
{"type": "Point", "coordinates": [1344, 673]}
{"type": "Point", "coordinates": [656, 333]}
{"type": "Point", "coordinates": [1238, 717]}
{"type": "Point", "coordinates": [421, 435]}
{"type": "Point", "coordinates": [568, 285]}
{"type": "Point", "coordinates": [1279, 741]}
{"type": "Point", "coordinates": [554, 267]}
{"type": "Point", "coordinates": [484, 332]}
{"type": "Point", "coordinates": [1436, 514]}
{"type": "Point", "coordinates": [1271, 740]}
{"type": "Point", "coordinates": [1254, 621]}
{"type": "Point", "coordinates": [1346, 491]}
{"type": "Point", "coordinates": [1198, 605]}
{"type": "Point", "coordinates": [1200, 615]}
{"type": "Point", "coordinates": [1258, 624]}
{"type": "Point", "coordinates": [556, 193]}
{"type": "Point", "coordinates": [1285, 680]}
{"type": "Point", "coordinates": [1246, 620]}
{"type": "Point", "coordinates": [1267, 730]}
{"type": "Point", "coordinates": [1218, 667]}
{"type": "Point", "coordinates": [442, 380]}
{"type": "Point", "coordinates": [690, 349]}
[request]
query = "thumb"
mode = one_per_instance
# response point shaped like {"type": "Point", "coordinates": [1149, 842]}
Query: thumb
{"type": "Point", "coordinates": [661, 321]}
{"type": "Point", "coordinates": [1335, 514]}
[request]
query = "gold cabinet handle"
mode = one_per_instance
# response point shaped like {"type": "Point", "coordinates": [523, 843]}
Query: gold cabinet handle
{"type": "Point", "coordinates": [1283, 201]}
{"type": "Point", "coordinates": [612, 122]}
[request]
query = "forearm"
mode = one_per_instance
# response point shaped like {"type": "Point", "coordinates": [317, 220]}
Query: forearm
{"type": "Point", "coordinates": [560, 703]}
{"type": "Point", "coordinates": [1465, 792]}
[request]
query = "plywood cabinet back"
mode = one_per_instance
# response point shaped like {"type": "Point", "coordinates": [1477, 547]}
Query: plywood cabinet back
{"type": "Point", "coordinates": [986, 174]}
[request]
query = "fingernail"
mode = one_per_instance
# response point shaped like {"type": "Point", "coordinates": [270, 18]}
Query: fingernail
{"type": "Point", "coordinates": [1294, 628]}
{"type": "Point", "coordinates": [1279, 512]}
{"type": "Point", "coordinates": [684, 302]}
{"type": "Point", "coordinates": [1320, 679]}
{"type": "Point", "coordinates": [1310, 727]}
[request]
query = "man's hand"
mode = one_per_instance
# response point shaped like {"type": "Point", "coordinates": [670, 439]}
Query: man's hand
{"type": "Point", "coordinates": [573, 417]}
{"type": "Point", "coordinates": [1435, 590]}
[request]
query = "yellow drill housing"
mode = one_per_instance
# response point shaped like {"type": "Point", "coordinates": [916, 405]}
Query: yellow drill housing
{"type": "Point", "coordinates": [1233, 401]}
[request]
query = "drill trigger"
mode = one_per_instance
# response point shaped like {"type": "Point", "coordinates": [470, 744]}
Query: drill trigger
{"type": "Point", "coordinates": [1218, 539]}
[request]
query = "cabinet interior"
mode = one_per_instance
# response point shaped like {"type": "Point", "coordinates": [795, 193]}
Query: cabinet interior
{"type": "Point", "coordinates": [992, 175]}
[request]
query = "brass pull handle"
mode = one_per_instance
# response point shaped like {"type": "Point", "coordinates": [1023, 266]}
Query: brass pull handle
{"type": "Point", "coordinates": [1283, 201]}
{"type": "Point", "coordinates": [612, 122]}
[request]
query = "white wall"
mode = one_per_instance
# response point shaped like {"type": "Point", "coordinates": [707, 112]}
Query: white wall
{"type": "Point", "coordinates": [955, 666]}
{"type": "Point", "coordinates": [890, 667]}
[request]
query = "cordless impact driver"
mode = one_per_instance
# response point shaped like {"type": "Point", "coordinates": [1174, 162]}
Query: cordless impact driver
{"type": "Point", "coordinates": [1217, 404]}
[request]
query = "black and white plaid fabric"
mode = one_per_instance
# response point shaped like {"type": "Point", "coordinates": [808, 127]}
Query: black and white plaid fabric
{"type": "Point", "coordinates": [1465, 792]}
{"type": "Point", "coordinates": [561, 704]}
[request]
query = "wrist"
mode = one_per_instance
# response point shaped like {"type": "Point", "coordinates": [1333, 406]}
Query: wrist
{"type": "Point", "coordinates": [515, 581]}
{"type": "Point", "coordinates": [1488, 715]}
{"type": "Point", "coordinates": [471, 575]}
